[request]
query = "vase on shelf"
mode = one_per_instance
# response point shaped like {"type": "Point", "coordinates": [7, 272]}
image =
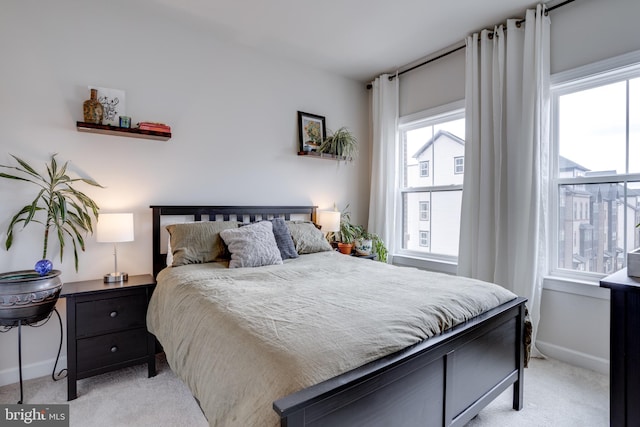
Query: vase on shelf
{"type": "Point", "coordinates": [93, 109]}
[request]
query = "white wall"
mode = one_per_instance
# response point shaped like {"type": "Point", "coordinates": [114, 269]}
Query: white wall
{"type": "Point", "coordinates": [575, 317]}
{"type": "Point", "coordinates": [232, 110]}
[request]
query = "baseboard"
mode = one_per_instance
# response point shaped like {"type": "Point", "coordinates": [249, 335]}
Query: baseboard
{"type": "Point", "coordinates": [33, 370]}
{"type": "Point", "coordinates": [573, 357]}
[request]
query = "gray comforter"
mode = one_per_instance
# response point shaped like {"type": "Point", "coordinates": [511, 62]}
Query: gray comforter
{"type": "Point", "coordinates": [242, 338]}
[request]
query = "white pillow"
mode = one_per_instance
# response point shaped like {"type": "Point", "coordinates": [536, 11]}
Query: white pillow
{"type": "Point", "coordinates": [252, 245]}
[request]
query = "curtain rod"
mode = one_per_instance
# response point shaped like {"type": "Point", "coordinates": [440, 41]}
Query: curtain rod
{"type": "Point", "coordinates": [449, 52]}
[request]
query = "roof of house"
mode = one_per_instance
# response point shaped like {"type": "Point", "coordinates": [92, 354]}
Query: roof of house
{"type": "Point", "coordinates": [566, 164]}
{"type": "Point", "coordinates": [435, 138]}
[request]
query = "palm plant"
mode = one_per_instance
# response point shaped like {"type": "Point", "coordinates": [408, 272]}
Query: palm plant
{"type": "Point", "coordinates": [66, 211]}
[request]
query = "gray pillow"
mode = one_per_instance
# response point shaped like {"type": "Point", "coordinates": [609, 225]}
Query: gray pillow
{"type": "Point", "coordinates": [198, 242]}
{"type": "Point", "coordinates": [252, 246]}
{"type": "Point", "coordinates": [283, 239]}
{"type": "Point", "coordinates": [307, 238]}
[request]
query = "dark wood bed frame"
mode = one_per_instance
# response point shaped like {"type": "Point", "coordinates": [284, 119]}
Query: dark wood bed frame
{"type": "Point", "coordinates": [443, 381]}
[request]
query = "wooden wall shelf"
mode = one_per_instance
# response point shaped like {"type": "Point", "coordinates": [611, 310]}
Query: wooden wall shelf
{"type": "Point", "coordinates": [321, 155]}
{"type": "Point", "coordinates": [128, 132]}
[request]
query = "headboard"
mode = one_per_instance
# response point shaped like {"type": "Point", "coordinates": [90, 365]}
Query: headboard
{"type": "Point", "coordinates": [217, 213]}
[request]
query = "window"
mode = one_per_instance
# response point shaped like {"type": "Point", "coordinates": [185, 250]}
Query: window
{"type": "Point", "coordinates": [431, 189]}
{"type": "Point", "coordinates": [424, 168]}
{"type": "Point", "coordinates": [458, 165]}
{"type": "Point", "coordinates": [424, 211]}
{"type": "Point", "coordinates": [596, 175]}
{"type": "Point", "coordinates": [424, 239]}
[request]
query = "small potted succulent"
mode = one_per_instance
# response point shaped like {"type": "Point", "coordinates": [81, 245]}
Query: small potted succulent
{"type": "Point", "coordinates": [63, 211]}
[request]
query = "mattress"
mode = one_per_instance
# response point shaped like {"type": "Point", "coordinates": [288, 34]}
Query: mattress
{"type": "Point", "coordinates": [242, 338]}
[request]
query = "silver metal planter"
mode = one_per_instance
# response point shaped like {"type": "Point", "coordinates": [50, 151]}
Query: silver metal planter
{"type": "Point", "coordinates": [27, 297]}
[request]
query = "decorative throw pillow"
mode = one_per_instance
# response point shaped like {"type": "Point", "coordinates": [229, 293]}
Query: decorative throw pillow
{"type": "Point", "coordinates": [307, 237]}
{"type": "Point", "coordinates": [252, 246]}
{"type": "Point", "coordinates": [283, 239]}
{"type": "Point", "coordinates": [198, 242]}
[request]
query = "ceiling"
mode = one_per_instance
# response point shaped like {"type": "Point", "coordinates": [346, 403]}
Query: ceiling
{"type": "Point", "coordinates": [359, 39]}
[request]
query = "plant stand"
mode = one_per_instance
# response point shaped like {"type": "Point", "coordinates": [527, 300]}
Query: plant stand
{"type": "Point", "coordinates": [21, 322]}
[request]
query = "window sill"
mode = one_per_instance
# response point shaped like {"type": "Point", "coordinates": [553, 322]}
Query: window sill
{"type": "Point", "coordinates": [551, 283]}
{"type": "Point", "coordinates": [439, 266]}
{"type": "Point", "coordinates": [575, 287]}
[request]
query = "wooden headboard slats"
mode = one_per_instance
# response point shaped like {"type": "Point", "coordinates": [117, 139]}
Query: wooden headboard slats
{"type": "Point", "coordinates": [214, 213]}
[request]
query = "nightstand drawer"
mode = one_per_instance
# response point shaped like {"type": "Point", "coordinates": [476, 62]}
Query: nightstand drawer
{"type": "Point", "coordinates": [111, 314]}
{"type": "Point", "coordinates": [109, 349]}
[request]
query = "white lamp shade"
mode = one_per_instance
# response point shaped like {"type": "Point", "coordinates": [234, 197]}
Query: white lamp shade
{"type": "Point", "coordinates": [329, 221]}
{"type": "Point", "coordinates": [115, 227]}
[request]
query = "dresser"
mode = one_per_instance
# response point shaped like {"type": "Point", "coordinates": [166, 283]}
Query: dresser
{"type": "Point", "coordinates": [625, 348]}
{"type": "Point", "coordinates": [107, 328]}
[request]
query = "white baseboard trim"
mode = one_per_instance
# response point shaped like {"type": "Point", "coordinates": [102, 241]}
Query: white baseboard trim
{"type": "Point", "coordinates": [33, 370]}
{"type": "Point", "coordinates": [573, 357]}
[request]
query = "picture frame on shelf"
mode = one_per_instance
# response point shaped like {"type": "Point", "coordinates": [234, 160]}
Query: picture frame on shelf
{"type": "Point", "coordinates": [311, 130]}
{"type": "Point", "coordinates": [113, 103]}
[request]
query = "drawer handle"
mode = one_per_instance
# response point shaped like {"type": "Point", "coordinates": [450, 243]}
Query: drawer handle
{"type": "Point", "coordinates": [113, 313]}
{"type": "Point", "coordinates": [114, 349]}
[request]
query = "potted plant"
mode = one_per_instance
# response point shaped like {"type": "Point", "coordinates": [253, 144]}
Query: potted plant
{"type": "Point", "coordinates": [63, 211]}
{"type": "Point", "coordinates": [342, 143]}
{"type": "Point", "coordinates": [368, 243]}
{"type": "Point", "coordinates": [347, 233]}
{"type": "Point", "coordinates": [364, 242]}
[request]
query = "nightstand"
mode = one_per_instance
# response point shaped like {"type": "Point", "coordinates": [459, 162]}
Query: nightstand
{"type": "Point", "coordinates": [107, 328]}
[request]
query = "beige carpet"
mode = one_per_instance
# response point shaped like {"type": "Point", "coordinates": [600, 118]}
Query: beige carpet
{"type": "Point", "coordinates": [556, 395]}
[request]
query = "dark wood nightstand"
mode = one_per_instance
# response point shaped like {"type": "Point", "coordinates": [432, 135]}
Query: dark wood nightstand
{"type": "Point", "coordinates": [624, 370]}
{"type": "Point", "coordinates": [107, 328]}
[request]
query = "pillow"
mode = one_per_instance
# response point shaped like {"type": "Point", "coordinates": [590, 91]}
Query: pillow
{"type": "Point", "coordinates": [283, 238]}
{"type": "Point", "coordinates": [198, 242]}
{"type": "Point", "coordinates": [252, 246]}
{"type": "Point", "coordinates": [307, 237]}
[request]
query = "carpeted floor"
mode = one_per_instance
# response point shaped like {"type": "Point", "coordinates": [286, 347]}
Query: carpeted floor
{"type": "Point", "coordinates": [556, 395]}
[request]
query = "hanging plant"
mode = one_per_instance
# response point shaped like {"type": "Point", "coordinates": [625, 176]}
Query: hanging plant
{"type": "Point", "coordinates": [63, 210]}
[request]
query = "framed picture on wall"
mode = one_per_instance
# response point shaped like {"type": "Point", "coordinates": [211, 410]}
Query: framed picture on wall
{"type": "Point", "coordinates": [312, 131]}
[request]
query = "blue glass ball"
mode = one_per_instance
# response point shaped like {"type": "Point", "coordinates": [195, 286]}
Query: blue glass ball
{"type": "Point", "coordinates": [43, 267]}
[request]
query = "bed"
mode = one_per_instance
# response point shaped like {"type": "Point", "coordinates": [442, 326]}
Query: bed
{"type": "Point", "coordinates": [285, 366]}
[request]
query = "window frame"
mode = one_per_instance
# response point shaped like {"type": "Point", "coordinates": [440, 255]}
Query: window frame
{"type": "Point", "coordinates": [601, 73]}
{"type": "Point", "coordinates": [432, 116]}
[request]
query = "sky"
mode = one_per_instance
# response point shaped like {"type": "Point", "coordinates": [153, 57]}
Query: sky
{"type": "Point", "coordinates": [592, 129]}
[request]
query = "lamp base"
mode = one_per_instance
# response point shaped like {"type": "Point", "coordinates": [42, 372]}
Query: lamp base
{"type": "Point", "coordinates": [116, 277]}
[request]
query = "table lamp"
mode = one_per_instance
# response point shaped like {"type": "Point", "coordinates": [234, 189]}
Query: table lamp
{"type": "Point", "coordinates": [115, 228]}
{"type": "Point", "coordinates": [329, 221]}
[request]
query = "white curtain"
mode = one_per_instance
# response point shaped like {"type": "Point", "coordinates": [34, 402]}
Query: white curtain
{"type": "Point", "coordinates": [504, 204]}
{"type": "Point", "coordinates": [384, 120]}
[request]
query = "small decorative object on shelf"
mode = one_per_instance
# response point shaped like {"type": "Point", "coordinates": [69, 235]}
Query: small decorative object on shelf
{"type": "Point", "coordinates": [125, 121]}
{"type": "Point", "coordinates": [157, 127]}
{"type": "Point", "coordinates": [92, 108]}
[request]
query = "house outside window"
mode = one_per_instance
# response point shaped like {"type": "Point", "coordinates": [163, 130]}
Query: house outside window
{"type": "Point", "coordinates": [424, 211]}
{"type": "Point", "coordinates": [435, 138]}
{"type": "Point", "coordinates": [458, 165]}
{"type": "Point", "coordinates": [595, 182]}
